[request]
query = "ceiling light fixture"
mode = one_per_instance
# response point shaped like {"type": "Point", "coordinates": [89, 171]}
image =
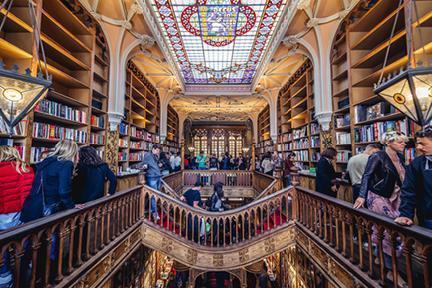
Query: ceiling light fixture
{"type": "Point", "coordinates": [410, 90]}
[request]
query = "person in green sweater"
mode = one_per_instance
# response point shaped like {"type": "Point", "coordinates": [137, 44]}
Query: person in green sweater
{"type": "Point", "coordinates": [201, 160]}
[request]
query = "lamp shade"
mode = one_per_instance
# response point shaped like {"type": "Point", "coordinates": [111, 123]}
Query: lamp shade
{"type": "Point", "coordinates": [410, 91]}
{"type": "Point", "coordinates": [19, 94]}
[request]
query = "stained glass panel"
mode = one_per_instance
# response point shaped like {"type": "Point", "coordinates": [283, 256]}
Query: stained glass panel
{"type": "Point", "coordinates": [218, 41]}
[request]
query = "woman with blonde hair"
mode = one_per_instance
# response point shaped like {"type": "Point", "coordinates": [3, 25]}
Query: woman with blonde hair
{"type": "Point", "coordinates": [16, 179]}
{"type": "Point", "coordinates": [51, 191]}
{"type": "Point", "coordinates": [380, 187]}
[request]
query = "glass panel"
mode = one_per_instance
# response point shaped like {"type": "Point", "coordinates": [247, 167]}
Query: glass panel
{"type": "Point", "coordinates": [218, 41]}
{"type": "Point", "coordinates": [423, 88]}
{"type": "Point", "coordinates": [399, 95]}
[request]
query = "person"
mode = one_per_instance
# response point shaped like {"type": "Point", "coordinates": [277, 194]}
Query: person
{"type": "Point", "coordinates": [381, 182]}
{"type": "Point", "coordinates": [16, 179]}
{"type": "Point", "coordinates": [289, 167]}
{"type": "Point", "coordinates": [213, 162]}
{"type": "Point", "coordinates": [257, 164]}
{"type": "Point", "coordinates": [91, 174]}
{"type": "Point", "coordinates": [186, 162]}
{"type": "Point", "coordinates": [201, 159]}
{"type": "Point", "coordinates": [153, 175]}
{"type": "Point", "coordinates": [416, 191]}
{"type": "Point", "coordinates": [164, 164]}
{"type": "Point", "coordinates": [226, 161]}
{"type": "Point", "coordinates": [177, 162]}
{"type": "Point", "coordinates": [325, 173]}
{"type": "Point", "coordinates": [193, 198]}
{"type": "Point", "coordinates": [51, 191]}
{"type": "Point", "coordinates": [267, 164]}
{"type": "Point", "coordinates": [263, 277]}
{"type": "Point", "coordinates": [277, 160]}
{"type": "Point", "coordinates": [242, 162]}
{"type": "Point", "coordinates": [193, 163]}
{"type": "Point", "coordinates": [216, 200]}
{"type": "Point", "coordinates": [356, 167]}
{"type": "Point", "coordinates": [172, 160]}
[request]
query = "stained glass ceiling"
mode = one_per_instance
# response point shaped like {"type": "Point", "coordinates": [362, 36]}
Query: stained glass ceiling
{"type": "Point", "coordinates": [218, 41]}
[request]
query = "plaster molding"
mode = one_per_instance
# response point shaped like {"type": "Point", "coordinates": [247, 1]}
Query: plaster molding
{"type": "Point", "coordinates": [146, 41]}
{"type": "Point", "coordinates": [114, 119]}
{"type": "Point", "coordinates": [324, 119]}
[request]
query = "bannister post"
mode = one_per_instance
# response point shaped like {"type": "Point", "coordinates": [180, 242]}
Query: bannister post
{"type": "Point", "coordinates": [294, 196]}
{"type": "Point", "coordinates": [278, 175]}
{"type": "Point", "coordinates": [141, 181]}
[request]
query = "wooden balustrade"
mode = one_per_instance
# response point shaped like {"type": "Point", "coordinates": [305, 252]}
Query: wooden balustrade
{"type": "Point", "coordinates": [366, 240]}
{"type": "Point", "coordinates": [219, 229]}
{"type": "Point", "coordinates": [174, 181]}
{"type": "Point", "coordinates": [44, 252]}
{"type": "Point", "coordinates": [226, 177]}
{"type": "Point", "coordinates": [261, 181]}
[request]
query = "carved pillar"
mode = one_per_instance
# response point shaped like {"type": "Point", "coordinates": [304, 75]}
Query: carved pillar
{"type": "Point", "coordinates": [111, 149]}
{"type": "Point", "coordinates": [253, 157]}
{"type": "Point", "coordinates": [165, 96]}
{"type": "Point", "coordinates": [271, 95]}
{"type": "Point", "coordinates": [182, 153]}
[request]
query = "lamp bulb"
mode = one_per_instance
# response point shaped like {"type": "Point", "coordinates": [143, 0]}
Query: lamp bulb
{"type": "Point", "coordinates": [12, 95]}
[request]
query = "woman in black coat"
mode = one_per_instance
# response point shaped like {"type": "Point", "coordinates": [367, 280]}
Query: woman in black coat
{"type": "Point", "coordinates": [325, 173]}
{"type": "Point", "coordinates": [92, 172]}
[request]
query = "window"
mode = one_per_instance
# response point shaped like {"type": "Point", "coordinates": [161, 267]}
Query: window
{"type": "Point", "coordinates": [235, 145]}
{"type": "Point", "coordinates": [200, 144]}
{"type": "Point", "coordinates": [218, 145]}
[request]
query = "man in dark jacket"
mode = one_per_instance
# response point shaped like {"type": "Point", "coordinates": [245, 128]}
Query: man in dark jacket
{"type": "Point", "coordinates": [153, 174]}
{"type": "Point", "coordinates": [416, 193]}
{"type": "Point", "coordinates": [325, 173]}
{"type": "Point", "coordinates": [193, 198]}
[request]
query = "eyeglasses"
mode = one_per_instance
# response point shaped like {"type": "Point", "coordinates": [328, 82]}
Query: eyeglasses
{"type": "Point", "coordinates": [426, 132]}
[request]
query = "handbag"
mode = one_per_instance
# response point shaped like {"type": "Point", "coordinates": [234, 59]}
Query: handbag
{"type": "Point", "coordinates": [48, 210]}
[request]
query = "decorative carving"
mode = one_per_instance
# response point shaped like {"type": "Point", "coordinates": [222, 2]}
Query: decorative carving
{"type": "Point", "coordinates": [192, 256]}
{"type": "Point", "coordinates": [244, 255]}
{"type": "Point", "coordinates": [218, 260]}
{"type": "Point", "coordinates": [269, 245]}
{"type": "Point", "coordinates": [167, 245]}
{"type": "Point", "coordinates": [146, 41]}
{"type": "Point", "coordinates": [326, 139]}
{"type": "Point", "coordinates": [111, 149]}
{"type": "Point", "coordinates": [303, 4]}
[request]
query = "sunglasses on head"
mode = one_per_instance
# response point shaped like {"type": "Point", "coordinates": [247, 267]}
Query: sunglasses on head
{"type": "Point", "coordinates": [426, 132]}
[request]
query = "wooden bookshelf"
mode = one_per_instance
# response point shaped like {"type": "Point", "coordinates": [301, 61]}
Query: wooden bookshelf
{"type": "Point", "coordinates": [299, 131]}
{"type": "Point", "coordinates": [172, 140]}
{"type": "Point", "coordinates": [140, 127]}
{"type": "Point", "coordinates": [80, 85]}
{"type": "Point", "coordinates": [264, 144]}
{"type": "Point", "coordinates": [358, 54]}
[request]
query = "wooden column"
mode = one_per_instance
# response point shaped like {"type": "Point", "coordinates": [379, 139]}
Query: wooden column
{"type": "Point", "coordinates": [182, 153]}
{"type": "Point", "coordinates": [253, 157]}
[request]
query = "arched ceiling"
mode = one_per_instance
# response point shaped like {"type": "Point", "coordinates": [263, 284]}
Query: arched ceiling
{"type": "Point", "coordinates": [162, 69]}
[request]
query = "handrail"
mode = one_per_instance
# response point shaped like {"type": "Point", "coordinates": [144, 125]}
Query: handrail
{"type": "Point", "coordinates": [50, 248]}
{"type": "Point", "coordinates": [174, 180]}
{"type": "Point", "coordinates": [214, 229]}
{"type": "Point", "coordinates": [378, 240]}
{"type": "Point", "coordinates": [226, 177]}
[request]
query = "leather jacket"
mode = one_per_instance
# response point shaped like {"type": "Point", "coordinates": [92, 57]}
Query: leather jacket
{"type": "Point", "coordinates": [380, 175]}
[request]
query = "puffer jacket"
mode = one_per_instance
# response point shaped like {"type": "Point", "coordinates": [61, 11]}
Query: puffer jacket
{"type": "Point", "coordinates": [14, 187]}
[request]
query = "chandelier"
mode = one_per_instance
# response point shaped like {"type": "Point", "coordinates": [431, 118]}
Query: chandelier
{"type": "Point", "coordinates": [410, 90]}
{"type": "Point", "coordinates": [19, 93]}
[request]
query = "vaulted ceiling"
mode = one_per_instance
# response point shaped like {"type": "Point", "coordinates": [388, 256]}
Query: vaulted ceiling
{"type": "Point", "coordinates": [215, 43]}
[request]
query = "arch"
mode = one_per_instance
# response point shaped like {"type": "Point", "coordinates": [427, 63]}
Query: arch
{"type": "Point", "coordinates": [232, 273]}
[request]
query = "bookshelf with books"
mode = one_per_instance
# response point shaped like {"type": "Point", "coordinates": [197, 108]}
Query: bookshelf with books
{"type": "Point", "coordinates": [361, 117]}
{"type": "Point", "coordinates": [265, 144]}
{"type": "Point", "coordinates": [300, 133]}
{"type": "Point", "coordinates": [172, 140]}
{"type": "Point", "coordinates": [139, 128]}
{"type": "Point", "coordinates": [70, 43]}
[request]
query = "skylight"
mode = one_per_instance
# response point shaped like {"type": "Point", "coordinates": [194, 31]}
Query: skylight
{"type": "Point", "coordinates": [218, 41]}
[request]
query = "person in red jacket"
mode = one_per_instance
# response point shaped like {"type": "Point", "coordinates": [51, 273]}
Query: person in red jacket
{"type": "Point", "coordinates": [16, 179]}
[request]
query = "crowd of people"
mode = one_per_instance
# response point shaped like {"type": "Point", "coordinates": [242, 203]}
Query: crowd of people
{"type": "Point", "coordinates": [225, 162]}
{"type": "Point", "coordinates": [383, 183]}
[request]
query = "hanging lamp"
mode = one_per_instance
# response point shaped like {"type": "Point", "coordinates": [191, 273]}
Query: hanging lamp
{"type": "Point", "coordinates": [409, 90]}
{"type": "Point", "coordinates": [19, 93]}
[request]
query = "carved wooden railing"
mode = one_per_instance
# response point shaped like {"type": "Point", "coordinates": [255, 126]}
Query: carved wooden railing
{"type": "Point", "coordinates": [220, 229]}
{"type": "Point", "coordinates": [358, 239]}
{"type": "Point", "coordinates": [174, 181]}
{"type": "Point", "coordinates": [226, 177]}
{"type": "Point", "coordinates": [57, 248]}
{"type": "Point", "coordinates": [261, 181]}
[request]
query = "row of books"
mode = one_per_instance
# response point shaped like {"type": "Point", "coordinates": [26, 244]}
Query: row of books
{"type": "Point", "coordinates": [50, 131]}
{"type": "Point", "coordinates": [97, 139]}
{"type": "Point", "coordinates": [19, 130]}
{"type": "Point", "coordinates": [315, 142]}
{"type": "Point", "coordinates": [97, 121]}
{"type": "Point", "coordinates": [298, 133]}
{"type": "Point", "coordinates": [136, 145]}
{"type": "Point", "coordinates": [36, 153]}
{"type": "Point", "coordinates": [139, 156]}
{"type": "Point", "coordinates": [343, 138]}
{"type": "Point", "coordinates": [61, 111]}
{"type": "Point", "coordinates": [314, 128]}
{"type": "Point", "coordinates": [342, 120]}
{"type": "Point", "coordinates": [366, 113]}
{"type": "Point", "coordinates": [373, 132]}
{"type": "Point", "coordinates": [285, 137]}
{"type": "Point", "coordinates": [122, 156]}
{"type": "Point", "coordinates": [285, 146]}
{"type": "Point", "coordinates": [302, 155]}
{"type": "Point", "coordinates": [302, 143]}
{"type": "Point", "coordinates": [409, 155]}
{"type": "Point", "coordinates": [343, 156]}
{"type": "Point", "coordinates": [123, 143]}
{"type": "Point", "coordinates": [123, 128]}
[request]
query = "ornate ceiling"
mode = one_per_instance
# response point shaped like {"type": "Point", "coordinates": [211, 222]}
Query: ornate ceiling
{"type": "Point", "coordinates": [220, 46]}
{"type": "Point", "coordinates": [218, 41]}
{"type": "Point", "coordinates": [219, 108]}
